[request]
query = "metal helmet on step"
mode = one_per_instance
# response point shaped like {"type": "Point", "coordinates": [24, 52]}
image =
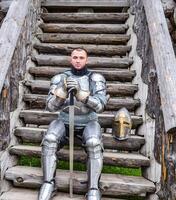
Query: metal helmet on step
{"type": "Point", "coordinates": [122, 124]}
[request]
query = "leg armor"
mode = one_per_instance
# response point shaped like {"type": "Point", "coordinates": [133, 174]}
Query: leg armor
{"type": "Point", "coordinates": [50, 143]}
{"type": "Point", "coordinates": [94, 149]}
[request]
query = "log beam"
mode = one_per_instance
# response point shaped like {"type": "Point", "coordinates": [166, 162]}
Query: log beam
{"type": "Point", "coordinates": [42, 87]}
{"type": "Point", "coordinates": [84, 3]}
{"type": "Point", "coordinates": [93, 62]}
{"type": "Point", "coordinates": [13, 22]}
{"type": "Point", "coordinates": [84, 38]}
{"type": "Point", "coordinates": [123, 75]}
{"type": "Point", "coordinates": [85, 17]}
{"type": "Point", "coordinates": [35, 135]}
{"type": "Point", "coordinates": [39, 117]}
{"type": "Point", "coordinates": [103, 50]}
{"type": "Point", "coordinates": [165, 61]}
{"type": "Point", "coordinates": [111, 184]}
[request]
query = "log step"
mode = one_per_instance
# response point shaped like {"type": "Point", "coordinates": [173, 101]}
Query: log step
{"type": "Point", "coordinates": [40, 117]}
{"type": "Point", "coordinates": [85, 17]}
{"type": "Point", "coordinates": [93, 62]}
{"type": "Point", "coordinates": [83, 28]}
{"type": "Point", "coordinates": [35, 135]}
{"type": "Point", "coordinates": [111, 184]}
{"type": "Point", "coordinates": [65, 49]}
{"type": "Point", "coordinates": [83, 38]}
{"type": "Point", "coordinates": [39, 101]}
{"type": "Point", "coordinates": [86, 3]}
{"type": "Point", "coordinates": [109, 74]}
{"type": "Point", "coordinates": [125, 89]}
{"type": "Point", "coordinates": [28, 194]}
{"type": "Point", "coordinates": [109, 158]}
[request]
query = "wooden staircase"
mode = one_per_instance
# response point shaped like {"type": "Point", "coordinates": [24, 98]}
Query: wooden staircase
{"type": "Point", "coordinates": [102, 29]}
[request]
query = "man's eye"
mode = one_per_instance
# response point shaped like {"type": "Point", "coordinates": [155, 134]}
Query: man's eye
{"type": "Point", "coordinates": [81, 58]}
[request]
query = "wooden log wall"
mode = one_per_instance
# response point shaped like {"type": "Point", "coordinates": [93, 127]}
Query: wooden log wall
{"type": "Point", "coordinates": [165, 139]}
{"type": "Point", "coordinates": [18, 26]}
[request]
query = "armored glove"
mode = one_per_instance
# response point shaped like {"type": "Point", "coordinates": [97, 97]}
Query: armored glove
{"type": "Point", "coordinates": [73, 84]}
{"type": "Point", "coordinates": [61, 91]}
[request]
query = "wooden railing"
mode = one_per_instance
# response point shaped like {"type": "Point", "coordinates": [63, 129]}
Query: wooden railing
{"type": "Point", "coordinates": [165, 62]}
{"type": "Point", "coordinates": [15, 46]}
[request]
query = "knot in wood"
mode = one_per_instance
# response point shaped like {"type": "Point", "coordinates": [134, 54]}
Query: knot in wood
{"type": "Point", "coordinates": [19, 179]}
{"type": "Point", "coordinates": [104, 187]}
{"type": "Point", "coordinates": [152, 75]}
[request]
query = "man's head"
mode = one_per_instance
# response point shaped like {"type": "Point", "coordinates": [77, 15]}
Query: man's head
{"type": "Point", "coordinates": [78, 58]}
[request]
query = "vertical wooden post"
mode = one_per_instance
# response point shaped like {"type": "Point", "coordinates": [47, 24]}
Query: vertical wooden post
{"type": "Point", "coordinates": [165, 62]}
{"type": "Point", "coordinates": [5, 115]}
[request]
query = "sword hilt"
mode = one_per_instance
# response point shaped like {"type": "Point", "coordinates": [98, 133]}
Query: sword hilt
{"type": "Point", "coordinates": [71, 92]}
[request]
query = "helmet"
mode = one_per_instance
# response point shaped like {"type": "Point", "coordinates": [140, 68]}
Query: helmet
{"type": "Point", "coordinates": [122, 124]}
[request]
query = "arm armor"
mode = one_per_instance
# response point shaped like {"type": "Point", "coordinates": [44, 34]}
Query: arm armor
{"type": "Point", "coordinates": [54, 102]}
{"type": "Point", "coordinates": [97, 100]}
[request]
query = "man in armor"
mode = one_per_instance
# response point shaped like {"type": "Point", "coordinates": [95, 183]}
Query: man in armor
{"type": "Point", "coordinates": [90, 97]}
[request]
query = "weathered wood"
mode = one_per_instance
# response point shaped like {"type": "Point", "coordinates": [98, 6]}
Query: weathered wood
{"type": "Point", "coordinates": [85, 17]}
{"type": "Point", "coordinates": [111, 184]}
{"type": "Point", "coordinates": [165, 61]}
{"type": "Point", "coordinates": [83, 28]}
{"type": "Point", "coordinates": [35, 135]}
{"type": "Point", "coordinates": [65, 49]}
{"type": "Point", "coordinates": [84, 38]}
{"type": "Point", "coordinates": [4, 5]}
{"type": "Point", "coordinates": [93, 62]}
{"type": "Point", "coordinates": [168, 6]}
{"type": "Point", "coordinates": [39, 101]}
{"type": "Point", "coordinates": [79, 3]}
{"type": "Point", "coordinates": [21, 194]}
{"type": "Point", "coordinates": [5, 114]}
{"type": "Point", "coordinates": [109, 74]}
{"type": "Point", "coordinates": [13, 23]}
{"type": "Point", "coordinates": [109, 158]}
{"type": "Point", "coordinates": [42, 87]}
{"type": "Point", "coordinates": [44, 118]}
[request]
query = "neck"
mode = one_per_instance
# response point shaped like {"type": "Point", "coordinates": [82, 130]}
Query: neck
{"type": "Point", "coordinates": [80, 72]}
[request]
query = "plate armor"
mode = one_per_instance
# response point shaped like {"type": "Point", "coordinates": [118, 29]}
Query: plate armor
{"type": "Point", "coordinates": [86, 124]}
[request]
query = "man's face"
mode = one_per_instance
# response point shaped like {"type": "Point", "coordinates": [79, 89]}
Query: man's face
{"type": "Point", "coordinates": [78, 59]}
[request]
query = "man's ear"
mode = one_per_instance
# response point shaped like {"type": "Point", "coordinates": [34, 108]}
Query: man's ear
{"type": "Point", "coordinates": [87, 60]}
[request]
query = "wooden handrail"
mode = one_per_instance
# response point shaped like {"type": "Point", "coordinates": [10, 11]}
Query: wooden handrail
{"type": "Point", "coordinates": [9, 35]}
{"type": "Point", "coordinates": [164, 59]}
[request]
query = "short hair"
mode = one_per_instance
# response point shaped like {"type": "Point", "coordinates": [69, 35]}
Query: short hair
{"type": "Point", "coordinates": [80, 49]}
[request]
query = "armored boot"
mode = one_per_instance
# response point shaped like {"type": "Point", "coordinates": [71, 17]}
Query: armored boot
{"type": "Point", "coordinates": [49, 167]}
{"type": "Point", "coordinates": [94, 167]}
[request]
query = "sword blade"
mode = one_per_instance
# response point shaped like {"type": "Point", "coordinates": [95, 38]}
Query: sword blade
{"type": "Point", "coordinates": [71, 144]}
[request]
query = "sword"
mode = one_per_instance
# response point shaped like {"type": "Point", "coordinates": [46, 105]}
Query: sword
{"type": "Point", "coordinates": [71, 138]}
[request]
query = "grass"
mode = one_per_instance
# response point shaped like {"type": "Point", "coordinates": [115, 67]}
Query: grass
{"type": "Point", "coordinates": [35, 162]}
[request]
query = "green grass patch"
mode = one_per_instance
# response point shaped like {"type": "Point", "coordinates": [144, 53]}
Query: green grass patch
{"type": "Point", "coordinates": [35, 162]}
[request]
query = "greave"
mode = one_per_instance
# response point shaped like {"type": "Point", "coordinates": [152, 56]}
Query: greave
{"type": "Point", "coordinates": [49, 168]}
{"type": "Point", "coordinates": [94, 167]}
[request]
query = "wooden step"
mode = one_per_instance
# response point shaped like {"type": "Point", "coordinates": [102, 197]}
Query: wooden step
{"type": "Point", "coordinates": [84, 28]}
{"type": "Point", "coordinates": [28, 194]}
{"type": "Point", "coordinates": [109, 158]}
{"type": "Point", "coordinates": [85, 17]}
{"type": "Point", "coordinates": [39, 101]}
{"type": "Point", "coordinates": [86, 3]}
{"type": "Point", "coordinates": [65, 49]}
{"type": "Point", "coordinates": [93, 62]}
{"type": "Point", "coordinates": [112, 185]}
{"type": "Point", "coordinates": [41, 117]}
{"type": "Point", "coordinates": [35, 135]}
{"type": "Point", "coordinates": [125, 89]}
{"type": "Point", "coordinates": [84, 38]}
{"type": "Point", "coordinates": [109, 74]}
